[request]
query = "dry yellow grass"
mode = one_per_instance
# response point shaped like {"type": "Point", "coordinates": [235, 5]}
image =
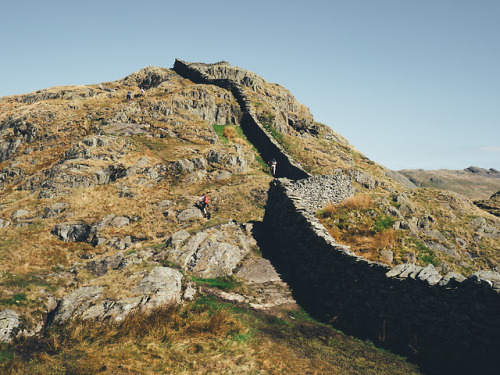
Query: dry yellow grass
{"type": "Point", "coordinates": [358, 202]}
{"type": "Point", "coordinates": [230, 133]}
{"type": "Point", "coordinates": [329, 210]}
{"type": "Point", "coordinates": [363, 235]}
{"type": "Point", "coordinates": [205, 336]}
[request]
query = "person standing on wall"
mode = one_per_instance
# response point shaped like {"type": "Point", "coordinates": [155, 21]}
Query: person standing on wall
{"type": "Point", "coordinates": [272, 166]}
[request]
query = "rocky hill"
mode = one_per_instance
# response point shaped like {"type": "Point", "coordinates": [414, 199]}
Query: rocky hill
{"type": "Point", "coordinates": [98, 224]}
{"type": "Point", "coordinates": [491, 205]}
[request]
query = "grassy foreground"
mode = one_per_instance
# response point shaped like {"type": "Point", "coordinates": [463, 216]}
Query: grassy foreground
{"type": "Point", "coordinates": [203, 337]}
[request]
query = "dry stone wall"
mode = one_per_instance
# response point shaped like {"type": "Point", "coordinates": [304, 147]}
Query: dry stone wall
{"type": "Point", "coordinates": [451, 323]}
{"type": "Point", "coordinates": [264, 142]}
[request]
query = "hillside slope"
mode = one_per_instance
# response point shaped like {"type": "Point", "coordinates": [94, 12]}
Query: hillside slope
{"type": "Point", "coordinates": [98, 222]}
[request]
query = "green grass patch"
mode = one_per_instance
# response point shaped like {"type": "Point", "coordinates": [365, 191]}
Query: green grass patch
{"type": "Point", "coordinates": [18, 299]}
{"type": "Point", "coordinates": [224, 283]}
{"type": "Point", "coordinates": [219, 130]}
{"type": "Point", "coordinates": [383, 223]}
{"type": "Point", "coordinates": [425, 255]}
{"type": "Point", "coordinates": [11, 280]}
{"type": "Point", "coordinates": [5, 354]}
{"type": "Point", "coordinates": [276, 134]}
{"type": "Point", "coordinates": [301, 315]}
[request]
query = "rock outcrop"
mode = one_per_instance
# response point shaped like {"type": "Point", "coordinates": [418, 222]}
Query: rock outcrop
{"type": "Point", "coordinates": [10, 323]}
{"type": "Point", "coordinates": [211, 253]}
{"type": "Point", "coordinates": [161, 286]}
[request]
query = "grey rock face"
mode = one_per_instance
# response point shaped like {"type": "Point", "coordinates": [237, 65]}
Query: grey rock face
{"type": "Point", "coordinates": [235, 163]}
{"type": "Point", "coordinates": [258, 271]}
{"type": "Point", "coordinates": [4, 223]}
{"type": "Point", "coordinates": [164, 204]}
{"type": "Point", "coordinates": [8, 148]}
{"type": "Point", "coordinates": [184, 166]}
{"type": "Point", "coordinates": [112, 310]}
{"type": "Point", "coordinates": [72, 232]}
{"type": "Point", "coordinates": [76, 303]}
{"type": "Point", "coordinates": [183, 253]}
{"type": "Point", "coordinates": [211, 253]}
{"type": "Point", "coordinates": [219, 175]}
{"type": "Point", "coordinates": [23, 132]}
{"type": "Point", "coordinates": [119, 221]}
{"type": "Point", "coordinates": [491, 277]}
{"type": "Point", "coordinates": [54, 210]}
{"type": "Point", "coordinates": [122, 243]}
{"type": "Point", "coordinates": [163, 285]}
{"type": "Point", "coordinates": [190, 292]}
{"type": "Point", "coordinates": [442, 248]}
{"type": "Point", "coordinates": [216, 157]}
{"type": "Point", "coordinates": [430, 274]}
{"type": "Point", "coordinates": [102, 177]}
{"type": "Point", "coordinates": [393, 211]}
{"type": "Point", "coordinates": [83, 149]}
{"type": "Point", "coordinates": [216, 259]}
{"type": "Point", "coordinates": [9, 325]}
{"type": "Point", "coordinates": [196, 176]}
{"type": "Point", "coordinates": [101, 266]}
{"type": "Point", "coordinates": [199, 162]}
{"type": "Point", "coordinates": [478, 222]}
{"type": "Point", "coordinates": [364, 179]}
{"type": "Point", "coordinates": [191, 213]}
{"type": "Point", "coordinates": [18, 214]}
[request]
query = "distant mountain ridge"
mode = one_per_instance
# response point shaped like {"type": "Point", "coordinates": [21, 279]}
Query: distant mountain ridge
{"type": "Point", "coordinates": [473, 182]}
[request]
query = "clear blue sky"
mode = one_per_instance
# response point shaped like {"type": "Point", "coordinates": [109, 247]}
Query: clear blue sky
{"type": "Point", "coordinates": [410, 83]}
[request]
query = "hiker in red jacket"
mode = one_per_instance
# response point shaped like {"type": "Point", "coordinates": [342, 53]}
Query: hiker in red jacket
{"type": "Point", "coordinates": [203, 203]}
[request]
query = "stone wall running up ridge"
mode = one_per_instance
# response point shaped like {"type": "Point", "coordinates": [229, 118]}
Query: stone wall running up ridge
{"type": "Point", "coordinates": [448, 323]}
{"type": "Point", "coordinates": [264, 142]}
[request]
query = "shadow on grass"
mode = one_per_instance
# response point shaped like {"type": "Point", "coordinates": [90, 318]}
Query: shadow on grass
{"type": "Point", "coordinates": [308, 300]}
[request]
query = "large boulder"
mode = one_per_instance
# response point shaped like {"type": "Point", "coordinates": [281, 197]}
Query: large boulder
{"type": "Point", "coordinates": [163, 285]}
{"type": "Point", "coordinates": [184, 166]}
{"type": "Point", "coordinates": [214, 252]}
{"type": "Point", "coordinates": [18, 214]}
{"type": "Point", "coordinates": [76, 303]}
{"type": "Point", "coordinates": [101, 266]}
{"type": "Point", "coordinates": [192, 213]}
{"type": "Point", "coordinates": [79, 232]}
{"type": "Point", "coordinates": [9, 325]}
{"type": "Point", "coordinates": [54, 210]}
{"type": "Point", "coordinates": [258, 271]}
